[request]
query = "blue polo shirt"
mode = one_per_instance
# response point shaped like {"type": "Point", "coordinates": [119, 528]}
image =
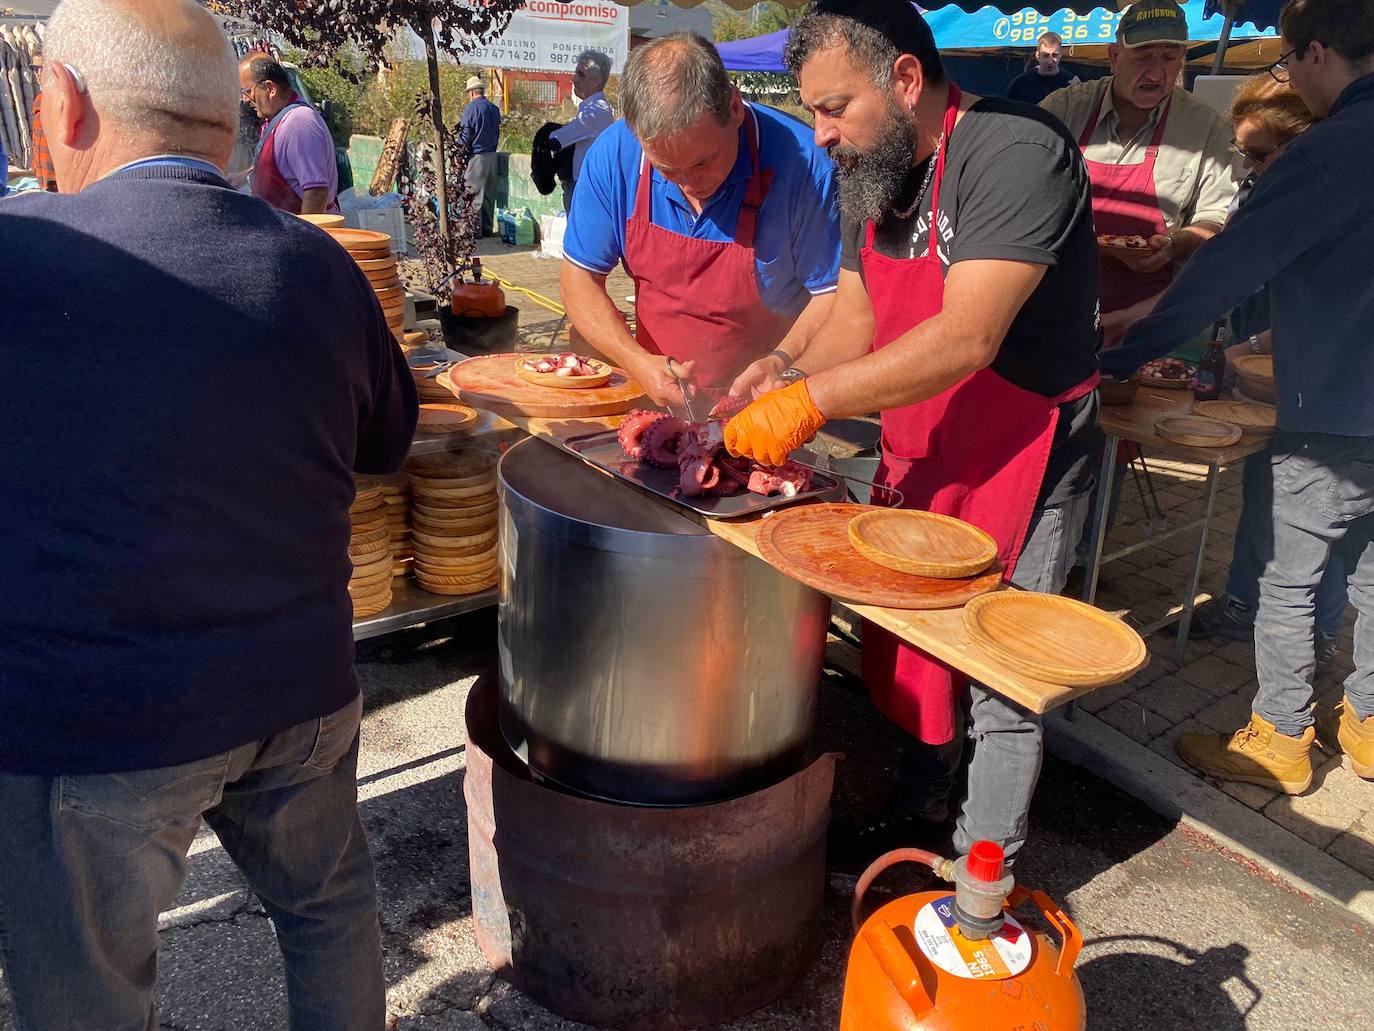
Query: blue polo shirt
{"type": "Point", "coordinates": [796, 244]}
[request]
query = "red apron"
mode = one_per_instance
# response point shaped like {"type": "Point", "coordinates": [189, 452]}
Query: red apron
{"type": "Point", "coordinates": [976, 451]}
{"type": "Point", "coordinates": [268, 182]}
{"type": "Point", "coordinates": [1126, 203]}
{"type": "Point", "coordinates": [698, 300]}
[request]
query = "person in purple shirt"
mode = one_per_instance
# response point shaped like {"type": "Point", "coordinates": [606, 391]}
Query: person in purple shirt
{"type": "Point", "coordinates": [294, 167]}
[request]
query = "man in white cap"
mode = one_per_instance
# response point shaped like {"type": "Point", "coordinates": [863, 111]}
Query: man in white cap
{"type": "Point", "coordinates": [1161, 161]}
{"type": "Point", "coordinates": [479, 132]}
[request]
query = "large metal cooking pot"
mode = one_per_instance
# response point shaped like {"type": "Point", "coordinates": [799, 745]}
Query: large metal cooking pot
{"type": "Point", "coordinates": [643, 659]}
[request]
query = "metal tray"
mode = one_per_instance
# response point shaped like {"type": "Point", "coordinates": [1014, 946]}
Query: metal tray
{"type": "Point", "coordinates": [603, 451]}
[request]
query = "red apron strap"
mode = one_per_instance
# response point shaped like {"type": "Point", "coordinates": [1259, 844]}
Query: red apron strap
{"type": "Point", "coordinates": [760, 180]}
{"type": "Point", "coordinates": [1158, 137]}
{"type": "Point", "coordinates": [1087, 136]}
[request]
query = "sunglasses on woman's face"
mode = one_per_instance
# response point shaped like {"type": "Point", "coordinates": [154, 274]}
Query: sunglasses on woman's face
{"type": "Point", "coordinates": [1259, 157]}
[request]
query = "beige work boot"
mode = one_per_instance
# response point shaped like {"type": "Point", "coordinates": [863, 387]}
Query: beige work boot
{"type": "Point", "coordinates": [1357, 739]}
{"type": "Point", "coordinates": [1255, 754]}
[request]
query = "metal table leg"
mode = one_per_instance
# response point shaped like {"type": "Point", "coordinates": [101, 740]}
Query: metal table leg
{"type": "Point", "coordinates": [1185, 620]}
{"type": "Point", "coordinates": [1101, 506]}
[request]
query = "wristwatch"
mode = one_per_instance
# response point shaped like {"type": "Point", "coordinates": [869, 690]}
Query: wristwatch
{"type": "Point", "coordinates": [1255, 344]}
{"type": "Point", "coordinates": [790, 376]}
{"type": "Point", "coordinates": [780, 353]}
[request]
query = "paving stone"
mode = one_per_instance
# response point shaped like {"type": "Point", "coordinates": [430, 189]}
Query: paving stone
{"type": "Point", "coordinates": [1318, 816]}
{"type": "Point", "coordinates": [1226, 715]}
{"type": "Point", "coordinates": [1215, 675]}
{"type": "Point", "coordinates": [1338, 777]}
{"type": "Point", "coordinates": [1239, 653]}
{"type": "Point", "coordinates": [1134, 720]}
{"type": "Point", "coordinates": [1099, 699]}
{"type": "Point", "coordinates": [1173, 698]}
{"type": "Point", "coordinates": [1252, 795]}
{"type": "Point", "coordinates": [1164, 744]}
{"type": "Point", "coordinates": [1355, 847]}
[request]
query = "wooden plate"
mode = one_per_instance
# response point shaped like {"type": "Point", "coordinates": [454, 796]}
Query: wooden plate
{"type": "Point", "coordinates": [1058, 640]}
{"type": "Point", "coordinates": [1114, 243]}
{"type": "Point", "coordinates": [376, 264]}
{"type": "Point", "coordinates": [1253, 420]}
{"type": "Point", "coordinates": [445, 418]}
{"type": "Point", "coordinates": [1197, 431]}
{"type": "Point", "coordinates": [323, 220]}
{"type": "Point", "coordinates": [1165, 384]}
{"type": "Point", "coordinates": [1256, 375]}
{"type": "Point", "coordinates": [491, 382]}
{"type": "Point", "coordinates": [549, 379]}
{"type": "Point", "coordinates": [390, 296]}
{"type": "Point", "coordinates": [922, 543]}
{"type": "Point", "coordinates": [360, 239]}
{"type": "Point", "coordinates": [810, 543]}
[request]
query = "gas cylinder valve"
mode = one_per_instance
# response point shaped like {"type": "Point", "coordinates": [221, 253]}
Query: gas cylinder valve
{"type": "Point", "coordinates": [981, 888]}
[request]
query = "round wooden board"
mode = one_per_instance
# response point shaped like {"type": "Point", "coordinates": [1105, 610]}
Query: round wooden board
{"type": "Point", "coordinates": [1253, 420]}
{"type": "Point", "coordinates": [360, 239]}
{"type": "Point", "coordinates": [323, 220]}
{"type": "Point", "coordinates": [922, 543]}
{"type": "Point", "coordinates": [390, 296]}
{"type": "Point", "coordinates": [1165, 384]}
{"type": "Point", "coordinates": [491, 382]}
{"type": "Point", "coordinates": [1197, 431]}
{"type": "Point", "coordinates": [810, 543]}
{"type": "Point", "coordinates": [445, 418]}
{"type": "Point", "coordinates": [1256, 375]}
{"type": "Point", "coordinates": [1058, 640]}
{"type": "Point", "coordinates": [549, 379]}
{"type": "Point", "coordinates": [376, 264]}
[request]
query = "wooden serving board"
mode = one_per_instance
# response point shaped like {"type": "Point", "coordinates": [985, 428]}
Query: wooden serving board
{"type": "Point", "coordinates": [810, 543]}
{"type": "Point", "coordinates": [1056, 639]}
{"type": "Point", "coordinates": [1253, 419]}
{"type": "Point", "coordinates": [491, 382]}
{"type": "Point", "coordinates": [1197, 431]}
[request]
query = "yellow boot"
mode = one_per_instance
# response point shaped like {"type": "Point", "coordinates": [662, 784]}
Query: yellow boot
{"type": "Point", "coordinates": [1255, 754]}
{"type": "Point", "coordinates": [1357, 740]}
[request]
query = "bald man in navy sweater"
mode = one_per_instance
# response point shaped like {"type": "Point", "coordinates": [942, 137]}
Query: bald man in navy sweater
{"type": "Point", "coordinates": [191, 381]}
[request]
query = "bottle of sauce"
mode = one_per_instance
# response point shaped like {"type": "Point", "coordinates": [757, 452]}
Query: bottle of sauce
{"type": "Point", "coordinates": [1211, 371]}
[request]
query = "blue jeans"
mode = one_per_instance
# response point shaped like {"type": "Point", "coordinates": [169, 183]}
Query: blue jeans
{"type": "Point", "coordinates": [88, 862]}
{"type": "Point", "coordinates": [1323, 503]}
{"type": "Point", "coordinates": [1007, 740]}
{"type": "Point", "coordinates": [1255, 545]}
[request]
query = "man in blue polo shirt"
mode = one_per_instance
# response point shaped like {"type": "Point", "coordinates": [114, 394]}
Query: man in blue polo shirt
{"type": "Point", "coordinates": [724, 214]}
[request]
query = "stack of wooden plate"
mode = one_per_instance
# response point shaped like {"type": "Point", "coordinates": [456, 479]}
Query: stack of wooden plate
{"type": "Point", "coordinates": [445, 418]}
{"type": "Point", "coordinates": [369, 549]}
{"type": "Point", "coordinates": [372, 252]}
{"type": "Point", "coordinates": [453, 521]}
{"type": "Point", "coordinates": [396, 497]}
{"type": "Point", "coordinates": [429, 388]}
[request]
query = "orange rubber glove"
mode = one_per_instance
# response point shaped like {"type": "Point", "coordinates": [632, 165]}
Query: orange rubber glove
{"type": "Point", "coordinates": [775, 425]}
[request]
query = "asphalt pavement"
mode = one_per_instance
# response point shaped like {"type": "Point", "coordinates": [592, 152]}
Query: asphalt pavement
{"type": "Point", "coordinates": [1180, 934]}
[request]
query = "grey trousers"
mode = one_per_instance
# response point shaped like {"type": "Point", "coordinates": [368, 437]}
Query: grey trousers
{"type": "Point", "coordinates": [1007, 740]}
{"type": "Point", "coordinates": [480, 178]}
{"type": "Point", "coordinates": [1323, 501]}
{"type": "Point", "coordinates": [88, 862]}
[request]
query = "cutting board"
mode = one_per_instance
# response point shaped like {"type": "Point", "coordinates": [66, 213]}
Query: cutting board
{"type": "Point", "coordinates": [1197, 431]}
{"type": "Point", "coordinates": [810, 543]}
{"type": "Point", "coordinates": [1058, 640]}
{"type": "Point", "coordinates": [491, 382]}
{"type": "Point", "coordinates": [1253, 420]}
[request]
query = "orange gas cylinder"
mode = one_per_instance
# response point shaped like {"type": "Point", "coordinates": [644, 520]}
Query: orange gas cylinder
{"type": "Point", "coordinates": [913, 967]}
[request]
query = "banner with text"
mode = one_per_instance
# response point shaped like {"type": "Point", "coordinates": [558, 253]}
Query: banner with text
{"type": "Point", "coordinates": [547, 36]}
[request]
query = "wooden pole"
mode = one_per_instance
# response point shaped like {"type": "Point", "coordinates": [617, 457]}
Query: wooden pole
{"type": "Point", "coordinates": [437, 110]}
{"type": "Point", "coordinates": [1219, 61]}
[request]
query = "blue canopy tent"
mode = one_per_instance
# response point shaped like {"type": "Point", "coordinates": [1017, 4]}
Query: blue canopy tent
{"type": "Point", "coordinates": [989, 28]}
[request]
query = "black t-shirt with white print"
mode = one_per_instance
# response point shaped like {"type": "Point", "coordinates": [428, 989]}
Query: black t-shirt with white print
{"type": "Point", "coordinates": [1015, 188]}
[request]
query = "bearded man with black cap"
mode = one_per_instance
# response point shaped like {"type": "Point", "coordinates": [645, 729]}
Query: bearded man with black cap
{"type": "Point", "coordinates": [967, 313]}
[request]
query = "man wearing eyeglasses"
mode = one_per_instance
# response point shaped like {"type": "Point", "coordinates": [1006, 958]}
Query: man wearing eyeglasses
{"type": "Point", "coordinates": [1160, 160]}
{"type": "Point", "coordinates": [1305, 231]}
{"type": "Point", "coordinates": [294, 167]}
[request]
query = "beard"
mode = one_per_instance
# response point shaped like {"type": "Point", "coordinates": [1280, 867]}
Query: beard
{"type": "Point", "coordinates": [871, 179]}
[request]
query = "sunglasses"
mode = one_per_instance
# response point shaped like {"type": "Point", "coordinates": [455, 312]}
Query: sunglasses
{"type": "Point", "coordinates": [1259, 157]}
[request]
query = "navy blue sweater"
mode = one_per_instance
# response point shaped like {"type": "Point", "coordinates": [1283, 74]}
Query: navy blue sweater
{"type": "Point", "coordinates": [1308, 231]}
{"type": "Point", "coordinates": [190, 379]}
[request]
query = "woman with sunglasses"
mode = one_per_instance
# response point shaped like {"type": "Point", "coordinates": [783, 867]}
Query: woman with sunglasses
{"type": "Point", "coordinates": [1268, 115]}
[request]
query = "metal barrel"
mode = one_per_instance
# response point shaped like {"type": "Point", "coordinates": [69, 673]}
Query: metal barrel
{"type": "Point", "coordinates": [642, 917]}
{"type": "Point", "coordinates": [642, 658]}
